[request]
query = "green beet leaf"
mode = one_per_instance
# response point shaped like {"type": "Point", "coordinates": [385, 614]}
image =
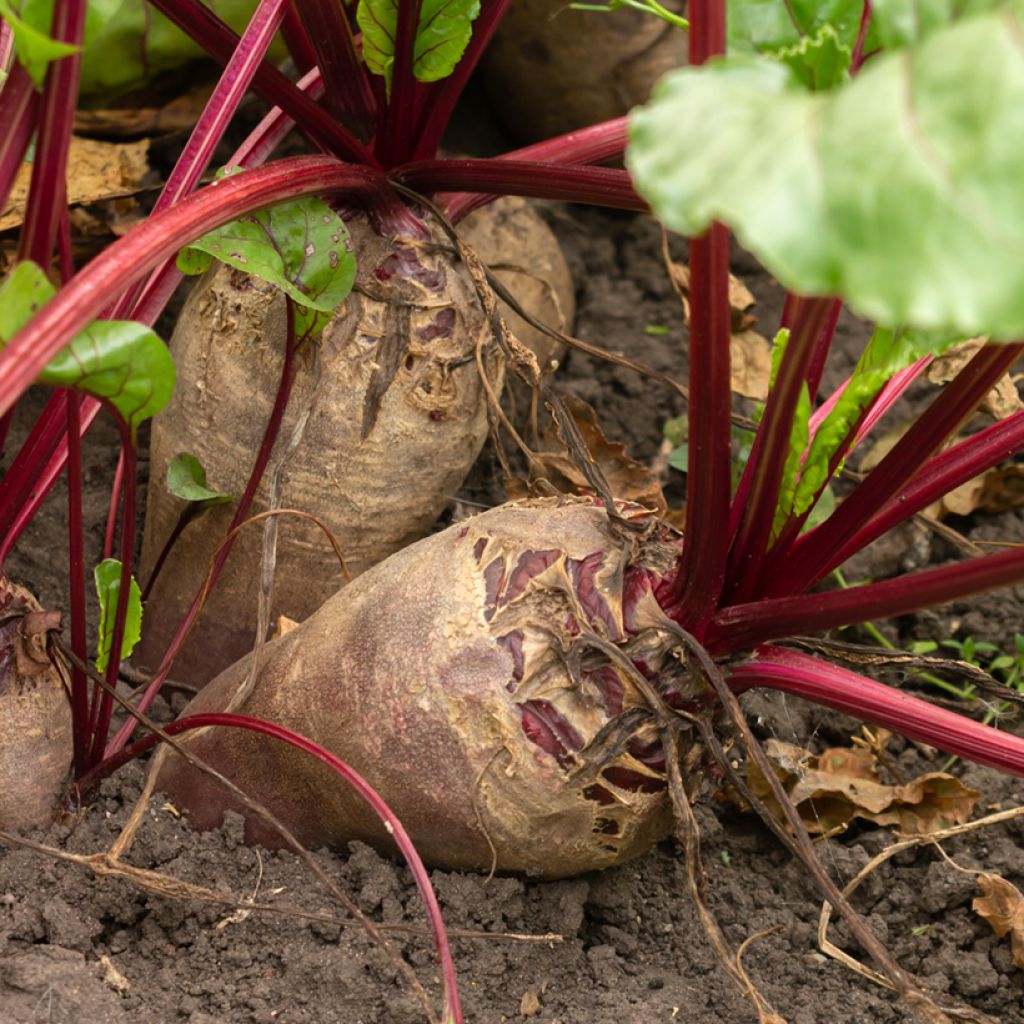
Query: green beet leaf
{"type": "Point", "coordinates": [30, 24]}
{"type": "Point", "coordinates": [186, 479]}
{"type": "Point", "coordinates": [903, 22]}
{"type": "Point", "coordinates": [442, 36]}
{"type": "Point", "coordinates": [815, 39]}
{"type": "Point", "coordinates": [120, 361]}
{"type": "Point", "coordinates": [108, 589]}
{"type": "Point", "coordinates": [128, 43]}
{"type": "Point", "coordinates": [301, 246]}
{"type": "Point", "coordinates": [886, 354]}
{"type": "Point", "coordinates": [899, 191]}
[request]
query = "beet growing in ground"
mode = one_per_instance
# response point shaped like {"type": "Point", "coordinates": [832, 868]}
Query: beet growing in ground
{"type": "Point", "coordinates": [633, 948]}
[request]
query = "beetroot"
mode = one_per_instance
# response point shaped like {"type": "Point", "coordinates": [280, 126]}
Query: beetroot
{"type": "Point", "coordinates": [463, 677]}
{"type": "Point", "coordinates": [35, 716]}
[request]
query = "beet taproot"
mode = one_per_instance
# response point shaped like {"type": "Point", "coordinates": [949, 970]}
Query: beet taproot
{"type": "Point", "coordinates": [551, 69]}
{"type": "Point", "coordinates": [397, 420]}
{"type": "Point", "coordinates": [35, 715]}
{"type": "Point", "coordinates": [462, 677]}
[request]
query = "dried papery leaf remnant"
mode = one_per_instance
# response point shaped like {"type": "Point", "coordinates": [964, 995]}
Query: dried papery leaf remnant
{"type": "Point", "coordinates": [1003, 907]}
{"type": "Point", "coordinates": [833, 788]}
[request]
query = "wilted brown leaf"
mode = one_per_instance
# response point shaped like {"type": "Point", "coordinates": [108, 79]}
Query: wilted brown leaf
{"type": "Point", "coordinates": [96, 171]}
{"type": "Point", "coordinates": [833, 788]}
{"type": "Point", "coordinates": [1003, 907]}
{"type": "Point", "coordinates": [740, 298]}
{"type": "Point", "coordinates": [1000, 402]}
{"type": "Point", "coordinates": [180, 114]}
{"type": "Point", "coordinates": [628, 479]}
{"type": "Point", "coordinates": [995, 491]}
{"type": "Point", "coordinates": [751, 365]}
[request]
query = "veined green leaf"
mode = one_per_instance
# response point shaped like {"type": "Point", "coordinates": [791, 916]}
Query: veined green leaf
{"type": "Point", "coordinates": [821, 61]}
{"type": "Point", "coordinates": [798, 438]}
{"type": "Point", "coordinates": [108, 589]}
{"type": "Point", "coordinates": [903, 22]}
{"type": "Point", "coordinates": [186, 479]}
{"type": "Point", "coordinates": [121, 361]}
{"type": "Point", "coordinates": [30, 23]}
{"type": "Point", "coordinates": [301, 246]}
{"type": "Point", "coordinates": [816, 39]}
{"type": "Point", "coordinates": [899, 191]}
{"type": "Point", "coordinates": [128, 43]}
{"type": "Point", "coordinates": [886, 354]}
{"type": "Point", "coordinates": [442, 36]}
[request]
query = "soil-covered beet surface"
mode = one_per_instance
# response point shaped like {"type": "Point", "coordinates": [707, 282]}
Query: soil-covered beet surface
{"type": "Point", "coordinates": [619, 947]}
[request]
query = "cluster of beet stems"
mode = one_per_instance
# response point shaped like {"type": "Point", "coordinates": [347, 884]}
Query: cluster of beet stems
{"type": "Point", "coordinates": [738, 588]}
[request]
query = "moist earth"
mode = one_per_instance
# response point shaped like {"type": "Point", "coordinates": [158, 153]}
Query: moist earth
{"type": "Point", "coordinates": [618, 947]}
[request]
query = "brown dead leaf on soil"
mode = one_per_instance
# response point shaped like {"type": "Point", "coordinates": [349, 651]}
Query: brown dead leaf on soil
{"type": "Point", "coordinates": [751, 353]}
{"type": "Point", "coordinates": [833, 788]}
{"type": "Point", "coordinates": [1003, 907]}
{"type": "Point", "coordinates": [750, 365]}
{"type": "Point", "coordinates": [96, 171]}
{"type": "Point", "coordinates": [628, 479]}
{"type": "Point", "coordinates": [178, 115]}
{"type": "Point", "coordinates": [740, 298]}
{"type": "Point", "coordinates": [1000, 402]}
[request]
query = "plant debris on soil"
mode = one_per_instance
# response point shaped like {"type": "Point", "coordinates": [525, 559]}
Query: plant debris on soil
{"type": "Point", "coordinates": [618, 947]}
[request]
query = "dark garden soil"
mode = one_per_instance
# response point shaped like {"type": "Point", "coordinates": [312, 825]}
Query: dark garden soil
{"type": "Point", "coordinates": [615, 948]}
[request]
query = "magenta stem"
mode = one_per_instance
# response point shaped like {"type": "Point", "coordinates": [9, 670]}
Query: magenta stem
{"type": "Point", "coordinates": [213, 122]}
{"type": "Point", "coordinates": [241, 514]}
{"type": "Point", "coordinates": [76, 587]}
{"type": "Point", "coordinates": [128, 519]}
{"type": "Point", "coordinates": [397, 144]}
{"type": "Point", "coordinates": [47, 185]}
{"type": "Point", "coordinates": [600, 186]}
{"type": "Point", "coordinates": [700, 576]}
{"type": "Point", "coordinates": [348, 92]}
{"type": "Point", "coordinates": [19, 109]}
{"type": "Point", "coordinates": [202, 25]}
{"type": "Point", "coordinates": [758, 494]}
{"type": "Point", "coordinates": [708, 477]}
{"type": "Point", "coordinates": [357, 782]}
{"type": "Point", "coordinates": [295, 38]}
{"type": "Point", "coordinates": [803, 676]}
{"type": "Point", "coordinates": [115, 500]}
{"type": "Point", "coordinates": [944, 473]}
{"type": "Point", "coordinates": [742, 627]}
{"type": "Point", "coordinates": [592, 145]}
{"type": "Point", "coordinates": [815, 554]}
{"type": "Point", "coordinates": [134, 255]}
{"type": "Point", "coordinates": [445, 94]}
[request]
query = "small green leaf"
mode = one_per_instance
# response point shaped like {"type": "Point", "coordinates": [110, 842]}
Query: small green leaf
{"type": "Point", "coordinates": [897, 191]}
{"type": "Point", "coordinates": [120, 361]}
{"type": "Point", "coordinates": [301, 246]}
{"type": "Point", "coordinates": [128, 43]}
{"type": "Point", "coordinates": [444, 31]}
{"type": "Point", "coordinates": [679, 458]}
{"type": "Point", "coordinates": [186, 479]}
{"type": "Point", "coordinates": [798, 438]}
{"type": "Point", "coordinates": [815, 39]}
{"type": "Point", "coordinates": [108, 589]}
{"type": "Point", "coordinates": [820, 61]}
{"type": "Point", "coordinates": [904, 22]}
{"type": "Point", "coordinates": [886, 354]}
{"type": "Point", "coordinates": [30, 24]}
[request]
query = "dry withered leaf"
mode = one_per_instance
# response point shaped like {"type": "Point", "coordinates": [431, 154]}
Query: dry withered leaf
{"type": "Point", "coordinates": [96, 171]}
{"type": "Point", "coordinates": [833, 788]}
{"type": "Point", "coordinates": [1000, 402]}
{"type": "Point", "coordinates": [1003, 907]}
{"type": "Point", "coordinates": [178, 115]}
{"type": "Point", "coordinates": [628, 479]}
{"type": "Point", "coordinates": [998, 490]}
{"type": "Point", "coordinates": [740, 298]}
{"type": "Point", "coordinates": [751, 365]}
